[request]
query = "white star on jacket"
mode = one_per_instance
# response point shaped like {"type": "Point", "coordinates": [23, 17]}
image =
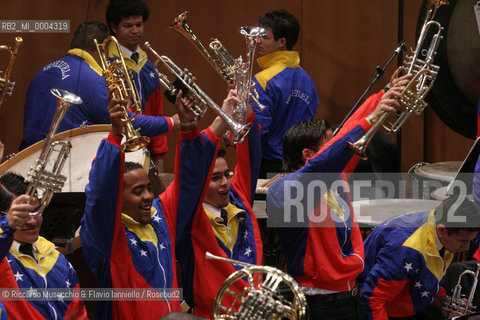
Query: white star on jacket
{"type": "Point", "coordinates": [245, 234]}
{"type": "Point", "coordinates": [31, 292]}
{"type": "Point", "coordinates": [408, 266]}
{"type": "Point", "coordinates": [247, 252]}
{"type": "Point", "coordinates": [418, 284]}
{"type": "Point", "coordinates": [18, 276]}
{"type": "Point", "coordinates": [133, 241]}
{"type": "Point", "coordinates": [425, 294]}
{"type": "Point", "coordinates": [8, 260]}
{"type": "Point", "coordinates": [162, 246]}
{"type": "Point", "coordinates": [68, 284]}
{"type": "Point", "coordinates": [156, 218]}
{"type": "Point", "coordinates": [143, 253]}
{"type": "Point", "coordinates": [152, 75]}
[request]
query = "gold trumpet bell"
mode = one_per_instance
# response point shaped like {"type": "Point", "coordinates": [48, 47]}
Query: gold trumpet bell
{"type": "Point", "coordinates": [133, 141]}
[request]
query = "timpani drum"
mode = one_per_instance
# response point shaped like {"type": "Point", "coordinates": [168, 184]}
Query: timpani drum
{"type": "Point", "coordinates": [434, 176]}
{"type": "Point", "coordinates": [85, 142]}
{"type": "Point", "coordinates": [370, 213]}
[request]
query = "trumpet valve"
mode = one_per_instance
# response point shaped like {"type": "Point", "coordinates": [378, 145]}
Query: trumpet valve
{"type": "Point", "coordinates": [413, 102]}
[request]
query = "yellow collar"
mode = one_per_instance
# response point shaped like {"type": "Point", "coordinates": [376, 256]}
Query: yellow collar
{"type": "Point", "coordinates": [424, 240]}
{"type": "Point", "coordinates": [213, 213]}
{"type": "Point", "coordinates": [42, 247]}
{"type": "Point", "coordinates": [142, 58]}
{"type": "Point", "coordinates": [287, 58]}
{"type": "Point", "coordinates": [144, 232]}
{"type": "Point", "coordinates": [88, 59]}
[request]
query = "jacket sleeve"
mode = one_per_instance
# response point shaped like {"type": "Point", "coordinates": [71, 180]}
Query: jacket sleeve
{"type": "Point", "coordinates": [103, 206]}
{"type": "Point", "coordinates": [194, 160]}
{"type": "Point", "coordinates": [152, 126]}
{"type": "Point", "coordinates": [6, 237]}
{"type": "Point", "coordinates": [267, 99]}
{"type": "Point", "coordinates": [387, 278]}
{"type": "Point", "coordinates": [249, 156]}
{"type": "Point", "coordinates": [158, 146]}
{"type": "Point", "coordinates": [76, 308]}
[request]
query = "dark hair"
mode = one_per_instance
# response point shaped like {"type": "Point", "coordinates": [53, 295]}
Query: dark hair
{"type": "Point", "coordinates": [86, 32]}
{"type": "Point", "coordinates": [221, 153]}
{"type": "Point", "coordinates": [457, 213]}
{"type": "Point", "coordinates": [283, 25]}
{"type": "Point", "coordinates": [130, 166]}
{"type": "Point", "coordinates": [12, 186]}
{"type": "Point", "coordinates": [305, 134]}
{"type": "Point", "coordinates": [118, 9]}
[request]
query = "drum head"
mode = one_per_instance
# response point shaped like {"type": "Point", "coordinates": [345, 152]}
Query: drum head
{"type": "Point", "coordinates": [85, 142]}
{"type": "Point", "coordinates": [440, 171]}
{"type": "Point", "coordinates": [454, 96]}
{"type": "Point", "coordinates": [374, 212]}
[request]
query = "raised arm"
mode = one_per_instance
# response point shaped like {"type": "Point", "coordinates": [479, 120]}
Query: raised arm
{"type": "Point", "coordinates": [14, 218]}
{"type": "Point", "coordinates": [103, 206]}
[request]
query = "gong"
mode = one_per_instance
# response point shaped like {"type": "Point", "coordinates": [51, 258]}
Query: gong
{"type": "Point", "coordinates": [454, 96]}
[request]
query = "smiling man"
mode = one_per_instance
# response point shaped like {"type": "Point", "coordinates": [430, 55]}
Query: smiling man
{"type": "Point", "coordinates": [224, 225]}
{"type": "Point", "coordinates": [126, 19]}
{"type": "Point", "coordinates": [286, 90]}
{"type": "Point", "coordinates": [128, 235]}
{"type": "Point", "coordinates": [28, 261]}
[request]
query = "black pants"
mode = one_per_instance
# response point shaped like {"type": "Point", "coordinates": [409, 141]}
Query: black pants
{"type": "Point", "coordinates": [343, 309]}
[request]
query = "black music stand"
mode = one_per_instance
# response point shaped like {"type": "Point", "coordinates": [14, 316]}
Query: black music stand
{"type": "Point", "coordinates": [465, 174]}
{"type": "Point", "coordinates": [62, 217]}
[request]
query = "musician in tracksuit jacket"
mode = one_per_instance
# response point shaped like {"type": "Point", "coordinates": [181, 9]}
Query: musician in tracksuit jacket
{"type": "Point", "coordinates": [79, 73]}
{"type": "Point", "coordinates": [285, 90]}
{"type": "Point", "coordinates": [319, 234]}
{"type": "Point", "coordinates": [128, 237]}
{"type": "Point", "coordinates": [126, 21]}
{"type": "Point", "coordinates": [31, 263]}
{"type": "Point", "coordinates": [225, 225]}
{"type": "Point", "coordinates": [407, 256]}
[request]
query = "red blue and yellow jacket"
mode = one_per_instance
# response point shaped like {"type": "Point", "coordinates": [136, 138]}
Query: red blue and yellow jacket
{"type": "Point", "coordinates": [79, 73]}
{"type": "Point", "coordinates": [124, 254]}
{"type": "Point", "coordinates": [403, 266]}
{"type": "Point", "coordinates": [21, 271]}
{"type": "Point", "coordinates": [203, 278]}
{"type": "Point", "coordinates": [319, 234]}
{"type": "Point", "coordinates": [148, 87]}
{"type": "Point", "coordinates": [289, 96]}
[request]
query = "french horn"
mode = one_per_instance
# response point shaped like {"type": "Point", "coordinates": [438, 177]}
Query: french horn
{"type": "Point", "coordinates": [269, 294]}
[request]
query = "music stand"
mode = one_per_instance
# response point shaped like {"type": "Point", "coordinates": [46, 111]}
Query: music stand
{"type": "Point", "coordinates": [62, 217]}
{"type": "Point", "coordinates": [464, 176]}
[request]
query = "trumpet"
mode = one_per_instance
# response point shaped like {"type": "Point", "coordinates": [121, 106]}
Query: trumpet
{"type": "Point", "coordinates": [244, 71]}
{"type": "Point", "coordinates": [413, 95]}
{"type": "Point", "coordinates": [225, 65]}
{"type": "Point", "coordinates": [264, 296]}
{"type": "Point", "coordinates": [185, 80]}
{"type": "Point", "coordinates": [454, 304]}
{"type": "Point", "coordinates": [6, 86]}
{"type": "Point", "coordinates": [119, 78]}
{"type": "Point", "coordinates": [51, 181]}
